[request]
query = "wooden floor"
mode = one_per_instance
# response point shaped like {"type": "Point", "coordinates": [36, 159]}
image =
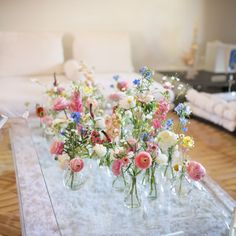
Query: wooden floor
{"type": "Point", "coordinates": [9, 208]}
{"type": "Point", "coordinates": [214, 148]}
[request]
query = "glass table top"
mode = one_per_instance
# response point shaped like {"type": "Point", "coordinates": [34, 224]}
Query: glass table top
{"type": "Point", "coordinates": [97, 209]}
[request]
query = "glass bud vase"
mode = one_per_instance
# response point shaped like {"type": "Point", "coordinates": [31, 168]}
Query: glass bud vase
{"type": "Point", "coordinates": [73, 180]}
{"type": "Point", "coordinates": [182, 186]}
{"type": "Point", "coordinates": [119, 183]}
{"type": "Point", "coordinates": [151, 187]}
{"type": "Point", "coordinates": [132, 198]}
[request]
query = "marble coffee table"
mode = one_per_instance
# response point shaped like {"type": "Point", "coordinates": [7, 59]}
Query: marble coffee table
{"type": "Point", "coordinates": [48, 208]}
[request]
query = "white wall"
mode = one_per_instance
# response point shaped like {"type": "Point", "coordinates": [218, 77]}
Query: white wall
{"type": "Point", "coordinates": [160, 30]}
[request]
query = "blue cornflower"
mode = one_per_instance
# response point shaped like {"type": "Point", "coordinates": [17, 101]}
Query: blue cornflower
{"type": "Point", "coordinates": [112, 85]}
{"type": "Point", "coordinates": [116, 77]}
{"type": "Point", "coordinates": [137, 82]}
{"type": "Point", "coordinates": [145, 137]}
{"type": "Point", "coordinates": [143, 70]}
{"type": "Point", "coordinates": [148, 74]}
{"type": "Point", "coordinates": [183, 121]}
{"type": "Point", "coordinates": [185, 129]}
{"type": "Point", "coordinates": [76, 116]}
{"type": "Point", "coordinates": [169, 123]}
{"type": "Point", "coordinates": [179, 108]}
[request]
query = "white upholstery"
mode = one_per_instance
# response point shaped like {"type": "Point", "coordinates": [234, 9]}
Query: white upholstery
{"type": "Point", "coordinates": [30, 54]}
{"type": "Point", "coordinates": [213, 108]}
{"type": "Point", "coordinates": [106, 52]}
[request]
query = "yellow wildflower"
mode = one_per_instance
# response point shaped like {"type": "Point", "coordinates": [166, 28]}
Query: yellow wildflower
{"type": "Point", "coordinates": [188, 142]}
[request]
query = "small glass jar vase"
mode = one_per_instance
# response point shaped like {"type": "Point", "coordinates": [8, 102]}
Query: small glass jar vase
{"type": "Point", "coordinates": [182, 186]}
{"type": "Point", "coordinates": [132, 196]}
{"type": "Point", "coordinates": [73, 180]}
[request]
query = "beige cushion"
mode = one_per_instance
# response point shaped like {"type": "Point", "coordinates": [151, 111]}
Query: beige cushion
{"type": "Point", "coordinates": [30, 54]}
{"type": "Point", "coordinates": [106, 52]}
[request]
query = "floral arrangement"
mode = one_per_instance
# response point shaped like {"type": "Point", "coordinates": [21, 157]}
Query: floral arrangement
{"type": "Point", "coordinates": [136, 139]}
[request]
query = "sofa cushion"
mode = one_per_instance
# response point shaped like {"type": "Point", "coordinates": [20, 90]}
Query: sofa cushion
{"type": "Point", "coordinates": [106, 52]}
{"type": "Point", "coordinates": [30, 54]}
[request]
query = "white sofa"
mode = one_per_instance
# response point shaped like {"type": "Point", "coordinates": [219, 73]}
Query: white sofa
{"type": "Point", "coordinates": [29, 57]}
{"type": "Point", "coordinates": [214, 108]}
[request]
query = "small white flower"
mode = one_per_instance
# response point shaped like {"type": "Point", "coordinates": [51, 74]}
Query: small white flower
{"type": "Point", "coordinates": [162, 158]}
{"type": "Point", "coordinates": [167, 139]}
{"type": "Point", "coordinates": [100, 123]}
{"type": "Point", "coordinates": [127, 102]}
{"type": "Point", "coordinates": [100, 150]}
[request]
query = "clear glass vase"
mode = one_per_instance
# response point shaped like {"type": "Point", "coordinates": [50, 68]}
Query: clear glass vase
{"type": "Point", "coordinates": [151, 186]}
{"type": "Point", "coordinates": [119, 183]}
{"type": "Point", "coordinates": [73, 180]}
{"type": "Point", "coordinates": [132, 196]}
{"type": "Point", "coordinates": [182, 186]}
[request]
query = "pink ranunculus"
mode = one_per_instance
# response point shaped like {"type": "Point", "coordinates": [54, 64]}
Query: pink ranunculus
{"type": "Point", "coordinates": [47, 120]}
{"type": "Point", "coordinates": [122, 86]}
{"type": "Point", "coordinates": [60, 104]}
{"type": "Point", "coordinates": [143, 160]}
{"type": "Point", "coordinates": [76, 164]}
{"type": "Point", "coordinates": [156, 124]}
{"type": "Point", "coordinates": [115, 97]}
{"type": "Point", "coordinates": [196, 170]}
{"type": "Point", "coordinates": [76, 104]}
{"type": "Point", "coordinates": [116, 167]}
{"type": "Point", "coordinates": [57, 148]}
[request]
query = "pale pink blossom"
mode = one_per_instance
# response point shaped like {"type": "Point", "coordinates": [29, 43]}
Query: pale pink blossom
{"type": "Point", "coordinates": [116, 167]}
{"type": "Point", "coordinates": [57, 148]}
{"type": "Point", "coordinates": [76, 164]}
{"type": "Point", "coordinates": [47, 120]}
{"type": "Point", "coordinates": [115, 97]}
{"type": "Point", "coordinates": [156, 124]}
{"type": "Point", "coordinates": [143, 160]}
{"type": "Point", "coordinates": [195, 170]}
{"type": "Point", "coordinates": [60, 104]}
{"type": "Point", "coordinates": [76, 104]}
{"type": "Point", "coordinates": [122, 86]}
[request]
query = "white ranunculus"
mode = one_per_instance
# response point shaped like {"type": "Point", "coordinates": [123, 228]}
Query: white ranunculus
{"type": "Point", "coordinates": [127, 102]}
{"type": "Point", "coordinates": [162, 159]}
{"type": "Point", "coordinates": [100, 123]}
{"type": "Point", "coordinates": [100, 150]}
{"type": "Point", "coordinates": [166, 139]}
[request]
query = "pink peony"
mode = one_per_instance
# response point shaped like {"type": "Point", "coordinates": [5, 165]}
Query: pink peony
{"type": "Point", "coordinates": [116, 167]}
{"type": "Point", "coordinates": [122, 86]}
{"type": "Point", "coordinates": [57, 148]}
{"type": "Point", "coordinates": [156, 124]}
{"type": "Point", "coordinates": [195, 170]}
{"type": "Point", "coordinates": [76, 104]}
{"type": "Point", "coordinates": [115, 97]}
{"type": "Point", "coordinates": [60, 104]}
{"type": "Point", "coordinates": [76, 164]}
{"type": "Point", "coordinates": [143, 160]}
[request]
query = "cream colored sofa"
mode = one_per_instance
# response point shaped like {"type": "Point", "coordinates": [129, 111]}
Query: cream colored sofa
{"type": "Point", "coordinates": [214, 107]}
{"type": "Point", "coordinates": [29, 57]}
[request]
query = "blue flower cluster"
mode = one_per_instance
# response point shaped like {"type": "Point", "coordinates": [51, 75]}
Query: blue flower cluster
{"type": "Point", "coordinates": [136, 82]}
{"type": "Point", "coordinates": [76, 117]}
{"type": "Point", "coordinates": [169, 123]}
{"type": "Point", "coordinates": [146, 72]}
{"type": "Point", "coordinates": [183, 111]}
{"type": "Point", "coordinates": [116, 77]}
{"type": "Point", "coordinates": [145, 137]}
